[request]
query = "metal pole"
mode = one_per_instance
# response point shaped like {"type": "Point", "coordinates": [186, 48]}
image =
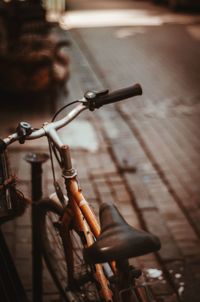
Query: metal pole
{"type": "Point", "coordinates": [11, 288]}
{"type": "Point", "coordinates": [36, 160]}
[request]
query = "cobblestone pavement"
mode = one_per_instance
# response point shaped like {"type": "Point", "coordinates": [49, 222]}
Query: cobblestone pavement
{"type": "Point", "coordinates": [142, 154]}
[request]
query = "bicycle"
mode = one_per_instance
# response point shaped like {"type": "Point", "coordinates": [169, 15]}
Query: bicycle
{"type": "Point", "coordinates": [93, 265]}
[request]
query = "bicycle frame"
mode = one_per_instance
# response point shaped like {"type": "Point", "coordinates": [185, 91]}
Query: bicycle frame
{"type": "Point", "coordinates": [84, 217]}
{"type": "Point", "coordinates": [87, 224]}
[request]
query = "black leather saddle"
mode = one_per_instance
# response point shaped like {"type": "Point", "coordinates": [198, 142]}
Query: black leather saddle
{"type": "Point", "coordinates": [118, 240]}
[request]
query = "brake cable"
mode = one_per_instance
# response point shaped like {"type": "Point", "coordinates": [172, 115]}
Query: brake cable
{"type": "Point", "coordinates": [62, 108]}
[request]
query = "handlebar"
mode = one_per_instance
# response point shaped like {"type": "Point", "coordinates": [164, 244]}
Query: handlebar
{"type": "Point", "coordinates": [91, 101]}
{"type": "Point", "coordinates": [48, 129]}
{"type": "Point", "coordinates": [98, 99]}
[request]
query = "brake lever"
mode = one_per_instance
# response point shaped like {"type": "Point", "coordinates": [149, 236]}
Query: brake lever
{"type": "Point", "coordinates": [91, 96]}
{"type": "Point", "coordinates": [102, 92]}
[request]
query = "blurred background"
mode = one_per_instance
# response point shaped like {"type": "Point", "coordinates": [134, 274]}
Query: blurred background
{"type": "Point", "coordinates": [143, 153]}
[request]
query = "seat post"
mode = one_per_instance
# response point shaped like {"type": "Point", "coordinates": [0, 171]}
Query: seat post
{"type": "Point", "coordinates": [126, 276]}
{"type": "Point", "coordinates": [123, 269]}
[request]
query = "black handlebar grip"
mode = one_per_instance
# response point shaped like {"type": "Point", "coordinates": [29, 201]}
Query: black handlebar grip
{"type": "Point", "coordinates": [118, 95]}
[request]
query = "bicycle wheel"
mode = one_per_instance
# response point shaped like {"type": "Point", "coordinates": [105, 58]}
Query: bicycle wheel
{"type": "Point", "coordinates": [84, 287]}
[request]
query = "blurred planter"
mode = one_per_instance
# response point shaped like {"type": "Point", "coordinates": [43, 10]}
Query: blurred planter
{"type": "Point", "coordinates": [33, 56]}
{"type": "Point", "coordinates": [177, 4]}
{"type": "Point", "coordinates": [36, 65]}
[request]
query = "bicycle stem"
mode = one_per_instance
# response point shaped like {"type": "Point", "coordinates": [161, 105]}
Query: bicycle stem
{"type": "Point", "coordinates": [67, 169]}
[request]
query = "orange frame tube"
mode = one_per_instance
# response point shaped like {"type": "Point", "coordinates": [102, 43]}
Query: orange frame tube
{"type": "Point", "coordinates": [83, 205]}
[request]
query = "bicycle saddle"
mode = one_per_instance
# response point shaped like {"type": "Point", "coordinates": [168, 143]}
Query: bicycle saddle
{"type": "Point", "coordinates": [118, 240]}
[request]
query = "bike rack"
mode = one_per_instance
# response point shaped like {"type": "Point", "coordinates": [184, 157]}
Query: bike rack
{"type": "Point", "coordinates": [36, 160]}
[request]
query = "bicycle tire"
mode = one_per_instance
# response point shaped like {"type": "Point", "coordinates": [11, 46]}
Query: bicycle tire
{"type": "Point", "coordinates": [53, 251]}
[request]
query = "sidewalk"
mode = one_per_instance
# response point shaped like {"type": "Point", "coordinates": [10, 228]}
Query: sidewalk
{"type": "Point", "coordinates": [161, 144]}
{"type": "Point", "coordinates": [142, 154]}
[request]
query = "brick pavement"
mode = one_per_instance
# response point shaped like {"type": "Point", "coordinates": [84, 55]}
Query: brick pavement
{"type": "Point", "coordinates": [164, 147]}
{"type": "Point", "coordinates": [146, 163]}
